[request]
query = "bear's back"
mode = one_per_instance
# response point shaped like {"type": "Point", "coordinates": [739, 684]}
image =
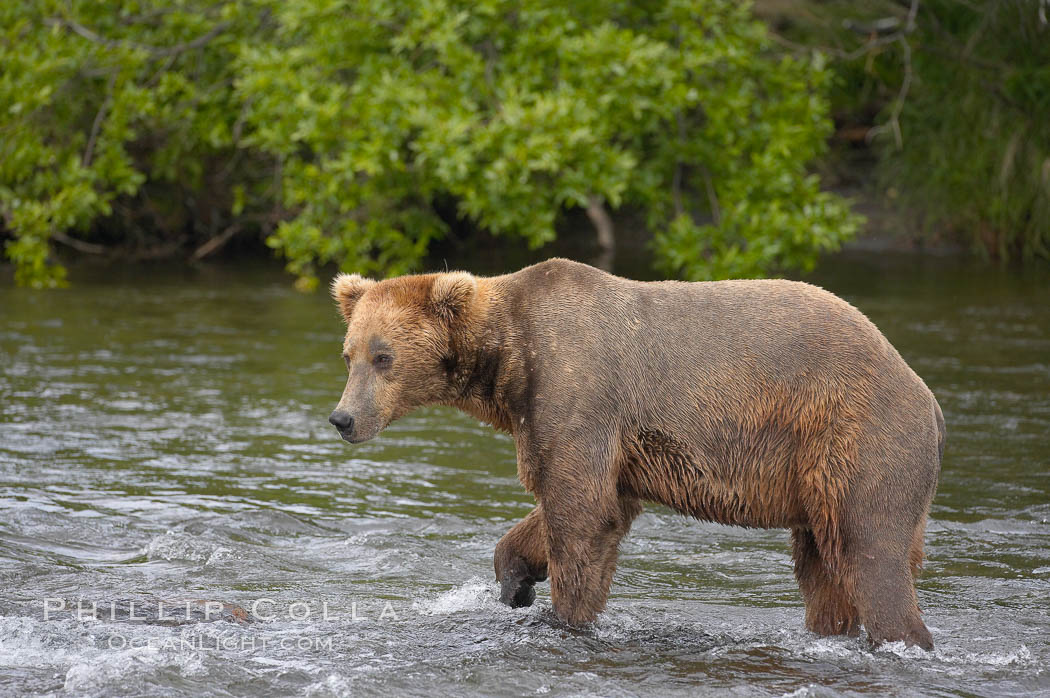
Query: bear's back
{"type": "Point", "coordinates": [786, 326]}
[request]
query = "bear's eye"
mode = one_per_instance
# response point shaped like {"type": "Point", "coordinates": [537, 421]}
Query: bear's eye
{"type": "Point", "coordinates": [383, 361]}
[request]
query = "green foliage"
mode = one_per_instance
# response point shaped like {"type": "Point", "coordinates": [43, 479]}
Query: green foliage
{"type": "Point", "coordinates": [962, 137]}
{"type": "Point", "coordinates": [86, 86]}
{"type": "Point", "coordinates": [340, 124]}
{"type": "Point", "coordinates": [975, 154]}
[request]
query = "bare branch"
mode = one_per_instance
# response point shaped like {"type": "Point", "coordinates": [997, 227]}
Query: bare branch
{"type": "Point", "coordinates": [893, 123]}
{"type": "Point", "coordinates": [78, 245]}
{"type": "Point", "coordinates": [157, 51]}
{"type": "Point", "coordinates": [216, 242]}
{"type": "Point", "coordinates": [913, 12]}
{"type": "Point", "coordinates": [885, 25]}
{"type": "Point", "coordinates": [873, 43]}
{"type": "Point", "coordinates": [603, 226]}
{"type": "Point", "coordinates": [881, 32]}
{"type": "Point", "coordinates": [712, 196]}
{"type": "Point", "coordinates": [96, 125]}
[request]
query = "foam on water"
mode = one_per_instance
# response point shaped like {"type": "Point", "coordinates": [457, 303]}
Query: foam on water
{"type": "Point", "coordinates": [86, 654]}
{"type": "Point", "coordinates": [114, 667]}
{"type": "Point", "coordinates": [27, 642]}
{"type": "Point", "coordinates": [175, 546]}
{"type": "Point", "coordinates": [473, 595]}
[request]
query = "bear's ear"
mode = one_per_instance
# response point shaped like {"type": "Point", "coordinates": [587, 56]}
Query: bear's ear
{"type": "Point", "coordinates": [347, 289]}
{"type": "Point", "coordinates": [452, 293]}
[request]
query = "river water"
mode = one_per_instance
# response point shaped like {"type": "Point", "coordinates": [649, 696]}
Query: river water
{"type": "Point", "coordinates": [164, 444]}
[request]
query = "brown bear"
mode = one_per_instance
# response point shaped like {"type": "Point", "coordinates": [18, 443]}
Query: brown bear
{"type": "Point", "coordinates": [754, 403]}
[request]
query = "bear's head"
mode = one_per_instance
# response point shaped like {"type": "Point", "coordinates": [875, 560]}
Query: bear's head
{"type": "Point", "coordinates": [400, 347]}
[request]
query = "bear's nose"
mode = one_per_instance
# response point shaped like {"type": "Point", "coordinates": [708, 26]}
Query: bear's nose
{"type": "Point", "coordinates": [341, 420]}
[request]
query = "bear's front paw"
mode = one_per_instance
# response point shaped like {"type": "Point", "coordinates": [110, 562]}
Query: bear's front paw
{"type": "Point", "coordinates": [517, 593]}
{"type": "Point", "coordinates": [517, 586]}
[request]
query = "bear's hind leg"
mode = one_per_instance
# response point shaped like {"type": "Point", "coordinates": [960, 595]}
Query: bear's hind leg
{"type": "Point", "coordinates": [521, 560]}
{"type": "Point", "coordinates": [829, 610]}
{"type": "Point", "coordinates": [885, 592]}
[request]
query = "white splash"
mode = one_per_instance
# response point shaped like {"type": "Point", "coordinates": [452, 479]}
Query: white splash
{"type": "Point", "coordinates": [179, 546]}
{"type": "Point", "coordinates": [475, 594]}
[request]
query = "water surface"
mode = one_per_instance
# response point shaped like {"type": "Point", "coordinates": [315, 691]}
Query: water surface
{"type": "Point", "coordinates": [163, 439]}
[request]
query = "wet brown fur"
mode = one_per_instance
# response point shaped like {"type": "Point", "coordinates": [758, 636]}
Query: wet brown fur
{"type": "Point", "coordinates": [754, 403]}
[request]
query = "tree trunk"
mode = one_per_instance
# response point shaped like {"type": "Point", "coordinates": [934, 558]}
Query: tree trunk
{"type": "Point", "coordinates": [603, 226]}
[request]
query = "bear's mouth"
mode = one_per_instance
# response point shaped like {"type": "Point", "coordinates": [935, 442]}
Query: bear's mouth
{"type": "Point", "coordinates": [359, 431]}
{"type": "Point", "coordinates": [349, 438]}
{"type": "Point", "coordinates": [357, 435]}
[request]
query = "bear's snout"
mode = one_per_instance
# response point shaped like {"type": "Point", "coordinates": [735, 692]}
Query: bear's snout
{"type": "Point", "coordinates": [342, 420]}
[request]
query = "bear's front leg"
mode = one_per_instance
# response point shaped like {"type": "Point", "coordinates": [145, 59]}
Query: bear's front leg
{"type": "Point", "coordinates": [583, 540]}
{"type": "Point", "coordinates": [521, 560]}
